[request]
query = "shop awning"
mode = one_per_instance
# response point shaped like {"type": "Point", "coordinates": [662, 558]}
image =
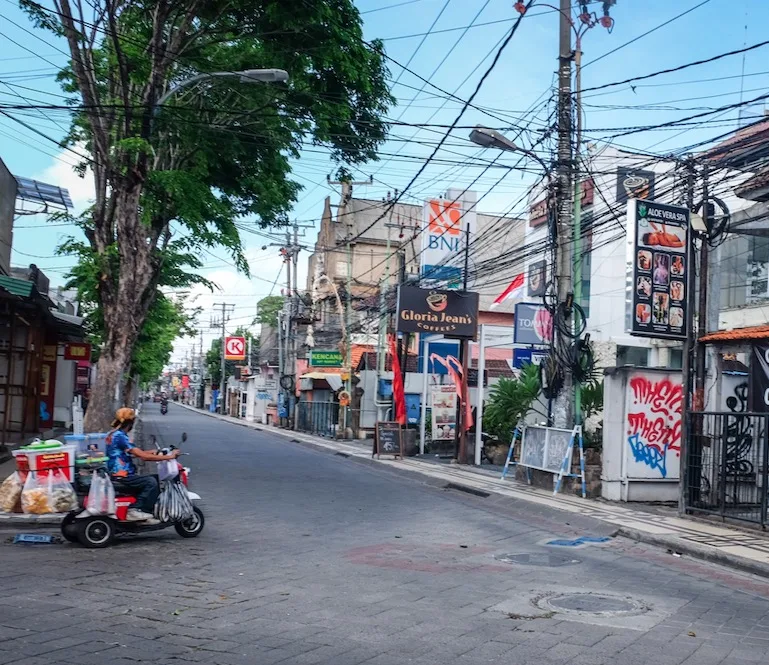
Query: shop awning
{"type": "Point", "coordinates": [752, 333]}
{"type": "Point", "coordinates": [333, 380]}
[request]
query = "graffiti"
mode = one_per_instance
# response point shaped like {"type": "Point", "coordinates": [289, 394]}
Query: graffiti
{"type": "Point", "coordinates": [654, 422]}
{"type": "Point", "coordinates": [739, 437]}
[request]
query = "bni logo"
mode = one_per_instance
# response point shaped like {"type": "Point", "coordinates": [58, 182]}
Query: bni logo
{"type": "Point", "coordinates": [444, 217]}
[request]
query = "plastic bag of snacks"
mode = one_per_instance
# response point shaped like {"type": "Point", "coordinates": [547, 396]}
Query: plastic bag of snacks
{"type": "Point", "coordinates": [36, 495]}
{"type": "Point", "coordinates": [101, 496]}
{"type": "Point", "coordinates": [10, 491]}
{"type": "Point", "coordinates": [63, 497]}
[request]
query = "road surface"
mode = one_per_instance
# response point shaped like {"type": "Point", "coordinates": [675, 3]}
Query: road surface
{"type": "Point", "coordinates": [313, 558]}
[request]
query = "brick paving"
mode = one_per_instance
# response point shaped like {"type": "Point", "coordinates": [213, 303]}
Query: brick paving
{"type": "Point", "coordinates": [311, 558]}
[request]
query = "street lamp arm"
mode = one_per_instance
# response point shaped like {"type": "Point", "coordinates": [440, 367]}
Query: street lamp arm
{"type": "Point", "coordinates": [186, 83]}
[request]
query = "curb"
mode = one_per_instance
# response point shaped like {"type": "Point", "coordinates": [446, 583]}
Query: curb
{"type": "Point", "coordinates": [29, 521]}
{"type": "Point", "coordinates": [701, 552]}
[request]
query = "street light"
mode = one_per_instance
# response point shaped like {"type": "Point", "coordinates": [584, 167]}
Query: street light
{"type": "Point", "coordinates": [246, 76]}
{"type": "Point", "coordinates": [490, 138]}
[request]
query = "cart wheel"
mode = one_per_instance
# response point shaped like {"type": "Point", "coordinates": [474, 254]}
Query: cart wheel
{"type": "Point", "coordinates": [95, 532]}
{"type": "Point", "coordinates": [192, 526]}
{"type": "Point", "coordinates": [69, 527]}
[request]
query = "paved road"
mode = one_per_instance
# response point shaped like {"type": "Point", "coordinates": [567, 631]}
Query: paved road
{"type": "Point", "coordinates": [312, 558]}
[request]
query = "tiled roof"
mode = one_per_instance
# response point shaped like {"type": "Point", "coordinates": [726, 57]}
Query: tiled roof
{"type": "Point", "coordinates": [737, 335]}
{"type": "Point", "coordinates": [16, 287]}
{"type": "Point", "coordinates": [745, 140]}
{"type": "Point", "coordinates": [758, 181]}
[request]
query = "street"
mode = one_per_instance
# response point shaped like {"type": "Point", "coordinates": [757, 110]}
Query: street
{"type": "Point", "coordinates": [309, 557]}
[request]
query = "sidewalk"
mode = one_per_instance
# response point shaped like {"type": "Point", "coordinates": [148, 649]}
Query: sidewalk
{"type": "Point", "coordinates": [743, 549]}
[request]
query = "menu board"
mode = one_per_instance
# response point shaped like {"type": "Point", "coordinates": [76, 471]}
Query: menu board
{"type": "Point", "coordinates": [388, 439]}
{"type": "Point", "coordinates": [444, 413]}
{"type": "Point", "coordinates": [657, 269]}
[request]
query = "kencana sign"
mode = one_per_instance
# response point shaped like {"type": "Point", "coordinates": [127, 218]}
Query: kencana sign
{"type": "Point", "coordinates": [450, 313]}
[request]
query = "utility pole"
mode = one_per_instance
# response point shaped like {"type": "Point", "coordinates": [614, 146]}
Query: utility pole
{"type": "Point", "coordinates": [464, 359]}
{"type": "Point", "coordinates": [562, 411]}
{"type": "Point", "coordinates": [226, 310]}
{"type": "Point", "coordinates": [702, 308]}
{"type": "Point", "coordinates": [347, 189]}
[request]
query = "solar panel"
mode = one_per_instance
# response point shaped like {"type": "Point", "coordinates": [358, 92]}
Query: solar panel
{"type": "Point", "coordinates": [32, 190]}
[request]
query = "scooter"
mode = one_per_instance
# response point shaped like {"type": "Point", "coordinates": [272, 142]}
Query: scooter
{"type": "Point", "coordinates": [98, 531]}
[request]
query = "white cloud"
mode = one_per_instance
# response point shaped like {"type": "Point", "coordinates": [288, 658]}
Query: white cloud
{"type": "Point", "coordinates": [62, 174]}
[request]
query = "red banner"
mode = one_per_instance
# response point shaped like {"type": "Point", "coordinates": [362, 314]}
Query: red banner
{"type": "Point", "coordinates": [399, 393]}
{"type": "Point", "coordinates": [185, 381]}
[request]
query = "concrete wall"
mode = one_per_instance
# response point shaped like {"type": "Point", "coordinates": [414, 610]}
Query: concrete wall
{"type": "Point", "coordinates": [642, 434]}
{"type": "Point", "coordinates": [65, 388]}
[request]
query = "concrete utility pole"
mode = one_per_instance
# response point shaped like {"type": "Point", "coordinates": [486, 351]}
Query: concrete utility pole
{"type": "Point", "coordinates": [347, 189]}
{"type": "Point", "coordinates": [562, 409]}
{"type": "Point", "coordinates": [226, 310]}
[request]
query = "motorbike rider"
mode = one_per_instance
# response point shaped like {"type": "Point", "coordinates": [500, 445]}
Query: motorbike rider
{"type": "Point", "coordinates": [122, 469]}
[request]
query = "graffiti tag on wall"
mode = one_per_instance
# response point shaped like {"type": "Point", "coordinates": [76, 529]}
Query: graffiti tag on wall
{"type": "Point", "coordinates": [654, 423]}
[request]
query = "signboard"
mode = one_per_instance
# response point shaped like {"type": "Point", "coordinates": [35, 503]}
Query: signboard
{"type": "Point", "coordinates": [758, 394]}
{"type": "Point", "coordinates": [523, 357]}
{"type": "Point", "coordinates": [444, 232]}
{"type": "Point", "coordinates": [325, 358]}
{"type": "Point", "coordinates": [444, 413]}
{"type": "Point", "coordinates": [47, 386]}
{"type": "Point", "coordinates": [634, 184]}
{"type": "Point", "coordinates": [538, 213]}
{"type": "Point", "coordinates": [413, 408]}
{"type": "Point", "coordinates": [77, 351]}
{"type": "Point", "coordinates": [546, 448]}
{"type": "Point", "coordinates": [234, 348]}
{"type": "Point", "coordinates": [536, 279]}
{"type": "Point", "coordinates": [533, 325]}
{"type": "Point", "coordinates": [451, 313]}
{"type": "Point", "coordinates": [657, 264]}
{"type": "Point", "coordinates": [388, 439]}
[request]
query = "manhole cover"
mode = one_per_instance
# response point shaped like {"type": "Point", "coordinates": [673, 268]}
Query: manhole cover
{"type": "Point", "coordinates": [596, 604]}
{"type": "Point", "coordinates": [545, 559]}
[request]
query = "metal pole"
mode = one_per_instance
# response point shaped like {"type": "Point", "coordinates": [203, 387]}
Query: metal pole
{"type": "Point", "coordinates": [702, 307]}
{"type": "Point", "coordinates": [479, 393]}
{"type": "Point", "coordinates": [223, 386]}
{"type": "Point", "coordinates": [562, 411]}
{"type": "Point", "coordinates": [281, 364]}
{"type": "Point", "coordinates": [423, 405]}
{"type": "Point", "coordinates": [464, 353]}
{"type": "Point", "coordinates": [686, 424]}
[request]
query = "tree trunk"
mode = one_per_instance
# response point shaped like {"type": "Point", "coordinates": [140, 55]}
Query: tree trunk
{"type": "Point", "coordinates": [129, 392]}
{"type": "Point", "coordinates": [109, 372]}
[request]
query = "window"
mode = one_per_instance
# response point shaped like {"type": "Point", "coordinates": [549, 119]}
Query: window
{"type": "Point", "coordinates": [758, 276]}
{"type": "Point", "coordinates": [676, 359]}
{"type": "Point", "coordinates": [632, 355]}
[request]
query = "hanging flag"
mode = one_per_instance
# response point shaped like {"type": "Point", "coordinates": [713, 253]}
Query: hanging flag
{"type": "Point", "coordinates": [456, 377]}
{"type": "Point", "coordinates": [514, 290]}
{"type": "Point", "coordinates": [399, 393]}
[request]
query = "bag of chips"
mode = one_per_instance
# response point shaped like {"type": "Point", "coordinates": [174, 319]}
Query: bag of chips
{"type": "Point", "coordinates": [10, 491]}
{"type": "Point", "coordinates": [63, 497]}
{"type": "Point", "coordinates": [36, 495]}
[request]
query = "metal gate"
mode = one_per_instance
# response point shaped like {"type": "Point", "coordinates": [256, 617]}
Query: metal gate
{"type": "Point", "coordinates": [727, 465]}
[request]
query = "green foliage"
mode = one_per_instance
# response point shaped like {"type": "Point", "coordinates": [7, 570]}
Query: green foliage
{"type": "Point", "coordinates": [267, 310]}
{"type": "Point", "coordinates": [510, 400]}
{"type": "Point", "coordinates": [592, 404]}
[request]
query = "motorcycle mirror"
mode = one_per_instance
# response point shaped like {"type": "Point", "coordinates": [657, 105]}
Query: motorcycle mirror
{"type": "Point", "coordinates": [184, 436]}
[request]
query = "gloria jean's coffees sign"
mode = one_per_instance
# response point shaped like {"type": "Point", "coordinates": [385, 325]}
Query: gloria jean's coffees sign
{"type": "Point", "coordinates": [657, 269]}
{"type": "Point", "coordinates": [450, 313]}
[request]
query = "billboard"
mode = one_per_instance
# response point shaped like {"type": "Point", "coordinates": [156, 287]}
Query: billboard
{"type": "Point", "coordinates": [234, 348]}
{"type": "Point", "coordinates": [533, 324]}
{"type": "Point", "coordinates": [450, 313]}
{"type": "Point", "coordinates": [445, 226]}
{"type": "Point", "coordinates": [634, 184]}
{"type": "Point", "coordinates": [657, 270]}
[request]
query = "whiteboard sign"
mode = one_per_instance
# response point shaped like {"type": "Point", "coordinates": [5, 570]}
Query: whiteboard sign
{"type": "Point", "coordinates": [546, 448]}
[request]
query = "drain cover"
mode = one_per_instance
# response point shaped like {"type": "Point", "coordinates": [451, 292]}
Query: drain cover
{"type": "Point", "coordinates": [545, 559]}
{"type": "Point", "coordinates": [595, 604]}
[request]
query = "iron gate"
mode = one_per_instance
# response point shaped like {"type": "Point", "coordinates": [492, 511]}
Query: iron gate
{"type": "Point", "coordinates": [727, 465]}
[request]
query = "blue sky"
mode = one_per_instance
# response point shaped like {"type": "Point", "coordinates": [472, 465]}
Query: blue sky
{"type": "Point", "coordinates": [454, 60]}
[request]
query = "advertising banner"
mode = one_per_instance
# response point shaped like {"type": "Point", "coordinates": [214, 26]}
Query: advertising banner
{"type": "Point", "coordinates": [444, 413]}
{"type": "Point", "coordinates": [77, 351]}
{"type": "Point", "coordinates": [657, 265]}
{"type": "Point", "coordinates": [758, 394]}
{"type": "Point", "coordinates": [533, 325]}
{"type": "Point", "coordinates": [445, 226]}
{"type": "Point", "coordinates": [634, 184]}
{"type": "Point", "coordinates": [325, 358]}
{"type": "Point", "coordinates": [450, 313]}
{"type": "Point", "coordinates": [234, 348]}
{"type": "Point", "coordinates": [523, 357]}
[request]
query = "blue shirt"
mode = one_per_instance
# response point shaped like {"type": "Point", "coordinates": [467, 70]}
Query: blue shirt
{"type": "Point", "coordinates": [119, 462]}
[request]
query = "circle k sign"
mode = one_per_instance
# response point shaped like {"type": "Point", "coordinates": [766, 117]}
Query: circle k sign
{"type": "Point", "coordinates": [234, 348]}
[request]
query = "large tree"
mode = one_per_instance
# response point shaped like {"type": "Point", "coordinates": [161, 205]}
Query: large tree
{"type": "Point", "coordinates": [215, 152]}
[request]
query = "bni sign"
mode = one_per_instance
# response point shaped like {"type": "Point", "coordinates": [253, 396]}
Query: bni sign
{"type": "Point", "coordinates": [445, 225]}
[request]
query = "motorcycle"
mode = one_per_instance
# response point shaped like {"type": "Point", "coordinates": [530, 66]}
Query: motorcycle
{"type": "Point", "coordinates": [98, 531]}
{"type": "Point", "coordinates": [163, 408]}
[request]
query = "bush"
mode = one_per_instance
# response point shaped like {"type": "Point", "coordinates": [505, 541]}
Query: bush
{"type": "Point", "coordinates": [511, 400]}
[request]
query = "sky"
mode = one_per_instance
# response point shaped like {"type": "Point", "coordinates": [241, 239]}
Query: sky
{"type": "Point", "coordinates": [462, 41]}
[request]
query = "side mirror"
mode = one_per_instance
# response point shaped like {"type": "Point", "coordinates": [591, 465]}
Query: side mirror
{"type": "Point", "coordinates": [184, 436]}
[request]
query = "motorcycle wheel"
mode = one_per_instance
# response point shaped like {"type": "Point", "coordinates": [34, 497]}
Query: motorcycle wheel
{"type": "Point", "coordinates": [69, 528]}
{"type": "Point", "coordinates": [95, 532]}
{"type": "Point", "coordinates": [193, 526]}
